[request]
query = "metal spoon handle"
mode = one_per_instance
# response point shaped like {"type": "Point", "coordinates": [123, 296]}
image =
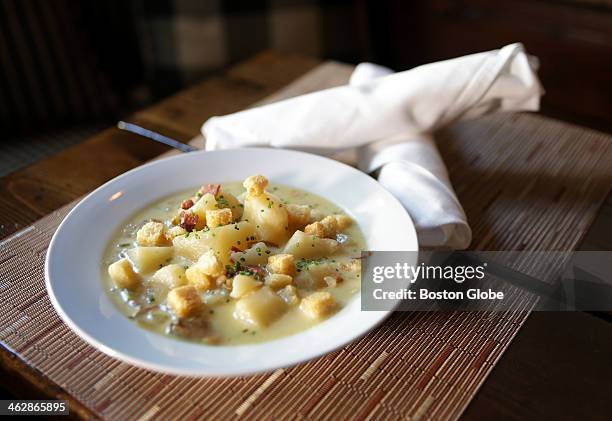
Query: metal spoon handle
{"type": "Point", "coordinates": [149, 134]}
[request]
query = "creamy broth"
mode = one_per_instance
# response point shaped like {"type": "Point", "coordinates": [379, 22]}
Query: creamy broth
{"type": "Point", "coordinates": [140, 295]}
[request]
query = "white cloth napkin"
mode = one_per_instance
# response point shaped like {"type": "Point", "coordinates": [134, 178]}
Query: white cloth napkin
{"type": "Point", "coordinates": [388, 117]}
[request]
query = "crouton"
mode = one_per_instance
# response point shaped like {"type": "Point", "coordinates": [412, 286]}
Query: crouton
{"type": "Point", "coordinates": [152, 234]}
{"type": "Point", "coordinates": [200, 280]}
{"type": "Point", "coordinates": [325, 228]}
{"type": "Point", "coordinates": [175, 232]}
{"type": "Point", "coordinates": [281, 263]}
{"type": "Point", "coordinates": [209, 264]}
{"type": "Point", "coordinates": [277, 281]}
{"type": "Point", "coordinates": [122, 274]}
{"type": "Point", "coordinates": [318, 305]}
{"type": "Point", "coordinates": [243, 285]}
{"type": "Point", "coordinates": [289, 295]}
{"type": "Point", "coordinates": [185, 301]}
{"type": "Point", "coordinates": [255, 184]}
{"type": "Point", "coordinates": [218, 217]}
{"type": "Point", "coordinates": [298, 216]}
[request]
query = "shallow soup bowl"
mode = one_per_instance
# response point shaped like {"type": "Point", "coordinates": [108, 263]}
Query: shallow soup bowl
{"type": "Point", "coordinates": [73, 265]}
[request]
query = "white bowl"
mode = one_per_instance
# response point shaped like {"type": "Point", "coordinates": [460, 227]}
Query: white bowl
{"type": "Point", "coordinates": [73, 264]}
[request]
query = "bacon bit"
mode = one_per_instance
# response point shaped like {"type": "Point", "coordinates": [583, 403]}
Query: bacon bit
{"type": "Point", "coordinates": [188, 220]}
{"type": "Point", "coordinates": [210, 188]}
{"type": "Point", "coordinates": [236, 249]}
{"type": "Point", "coordinates": [187, 204]}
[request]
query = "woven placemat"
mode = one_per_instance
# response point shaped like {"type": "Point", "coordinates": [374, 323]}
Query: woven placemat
{"type": "Point", "coordinates": [526, 182]}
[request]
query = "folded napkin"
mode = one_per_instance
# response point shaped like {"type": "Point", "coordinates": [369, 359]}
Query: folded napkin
{"type": "Point", "coordinates": [388, 118]}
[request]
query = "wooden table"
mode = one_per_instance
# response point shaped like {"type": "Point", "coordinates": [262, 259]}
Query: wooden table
{"type": "Point", "coordinates": [557, 367]}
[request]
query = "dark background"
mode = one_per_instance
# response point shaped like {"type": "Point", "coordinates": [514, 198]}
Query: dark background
{"type": "Point", "coordinates": [69, 62]}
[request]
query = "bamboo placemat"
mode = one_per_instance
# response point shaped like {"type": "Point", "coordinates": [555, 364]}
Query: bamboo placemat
{"type": "Point", "coordinates": [527, 183]}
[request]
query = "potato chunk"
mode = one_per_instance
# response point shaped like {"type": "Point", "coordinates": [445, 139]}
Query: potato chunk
{"type": "Point", "coordinates": [325, 228]}
{"type": "Point", "coordinates": [171, 276]}
{"type": "Point", "coordinates": [307, 246]}
{"type": "Point", "coordinates": [312, 275]}
{"type": "Point", "coordinates": [257, 254]}
{"type": "Point", "coordinates": [206, 202]}
{"type": "Point", "coordinates": [148, 259]}
{"type": "Point", "coordinates": [266, 211]}
{"type": "Point", "coordinates": [281, 263]}
{"type": "Point", "coordinates": [227, 200]}
{"type": "Point", "coordinates": [278, 281]}
{"type": "Point", "coordinates": [260, 308]}
{"type": "Point", "coordinates": [200, 280]}
{"type": "Point", "coordinates": [220, 240]}
{"type": "Point", "coordinates": [185, 301]}
{"type": "Point", "coordinates": [243, 285]}
{"type": "Point", "coordinates": [152, 234]}
{"type": "Point", "coordinates": [318, 305]}
{"type": "Point", "coordinates": [122, 274]}
{"type": "Point", "coordinates": [218, 217]}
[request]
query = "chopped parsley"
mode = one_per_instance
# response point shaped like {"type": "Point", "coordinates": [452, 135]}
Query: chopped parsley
{"type": "Point", "coordinates": [305, 264]}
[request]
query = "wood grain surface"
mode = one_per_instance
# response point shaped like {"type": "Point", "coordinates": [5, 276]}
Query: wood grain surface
{"type": "Point", "coordinates": [558, 367]}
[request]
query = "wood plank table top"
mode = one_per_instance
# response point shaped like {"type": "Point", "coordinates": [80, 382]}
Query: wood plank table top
{"type": "Point", "coordinates": [558, 365]}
